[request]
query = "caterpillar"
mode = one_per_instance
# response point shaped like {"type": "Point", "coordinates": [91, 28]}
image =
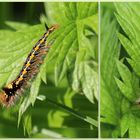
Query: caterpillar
{"type": "Point", "coordinates": [11, 92]}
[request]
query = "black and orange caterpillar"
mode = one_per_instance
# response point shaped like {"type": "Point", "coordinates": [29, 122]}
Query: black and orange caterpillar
{"type": "Point", "coordinates": [30, 68]}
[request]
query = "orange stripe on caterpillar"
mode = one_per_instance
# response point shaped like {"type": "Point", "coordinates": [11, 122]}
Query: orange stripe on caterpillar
{"type": "Point", "coordinates": [36, 48]}
{"type": "Point", "coordinates": [10, 85]}
{"type": "Point", "coordinates": [30, 68]}
{"type": "Point", "coordinates": [24, 71]}
{"type": "Point", "coordinates": [42, 40]}
{"type": "Point", "coordinates": [32, 56]}
{"type": "Point", "coordinates": [28, 64]}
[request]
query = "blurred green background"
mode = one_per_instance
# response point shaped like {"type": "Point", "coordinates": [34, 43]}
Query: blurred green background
{"type": "Point", "coordinates": [21, 12]}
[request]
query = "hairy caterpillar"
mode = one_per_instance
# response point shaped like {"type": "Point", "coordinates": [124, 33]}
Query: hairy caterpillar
{"type": "Point", "coordinates": [9, 93]}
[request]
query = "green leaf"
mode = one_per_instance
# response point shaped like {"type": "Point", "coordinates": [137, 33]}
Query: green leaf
{"type": "Point", "coordinates": [125, 124]}
{"type": "Point", "coordinates": [43, 72]}
{"type": "Point", "coordinates": [110, 97]}
{"type": "Point", "coordinates": [128, 82]}
{"type": "Point", "coordinates": [125, 106]}
{"type": "Point", "coordinates": [131, 29]}
{"type": "Point", "coordinates": [118, 112]}
{"type": "Point", "coordinates": [34, 89]}
{"type": "Point", "coordinates": [70, 11]}
{"type": "Point", "coordinates": [85, 80]}
{"type": "Point", "coordinates": [134, 127]}
{"type": "Point", "coordinates": [28, 124]}
{"type": "Point", "coordinates": [23, 107]}
{"type": "Point", "coordinates": [72, 46]}
{"type": "Point", "coordinates": [125, 86]}
{"type": "Point", "coordinates": [124, 73]}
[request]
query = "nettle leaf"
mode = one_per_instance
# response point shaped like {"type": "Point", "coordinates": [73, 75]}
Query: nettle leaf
{"type": "Point", "coordinates": [130, 123]}
{"type": "Point", "coordinates": [125, 86]}
{"type": "Point", "coordinates": [70, 11]}
{"type": "Point", "coordinates": [35, 89]}
{"type": "Point", "coordinates": [110, 98]}
{"type": "Point", "coordinates": [128, 82]}
{"type": "Point", "coordinates": [131, 28]}
{"type": "Point", "coordinates": [130, 85]}
{"type": "Point", "coordinates": [125, 121]}
{"type": "Point", "coordinates": [73, 44]}
{"type": "Point", "coordinates": [27, 124]}
{"type": "Point", "coordinates": [85, 75]}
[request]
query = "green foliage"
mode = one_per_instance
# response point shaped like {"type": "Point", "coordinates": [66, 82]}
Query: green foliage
{"type": "Point", "coordinates": [110, 96]}
{"type": "Point", "coordinates": [125, 121]}
{"type": "Point", "coordinates": [73, 45]}
{"type": "Point", "coordinates": [49, 110]}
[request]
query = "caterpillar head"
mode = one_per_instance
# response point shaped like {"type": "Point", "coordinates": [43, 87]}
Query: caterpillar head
{"type": "Point", "coordinates": [55, 26]}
